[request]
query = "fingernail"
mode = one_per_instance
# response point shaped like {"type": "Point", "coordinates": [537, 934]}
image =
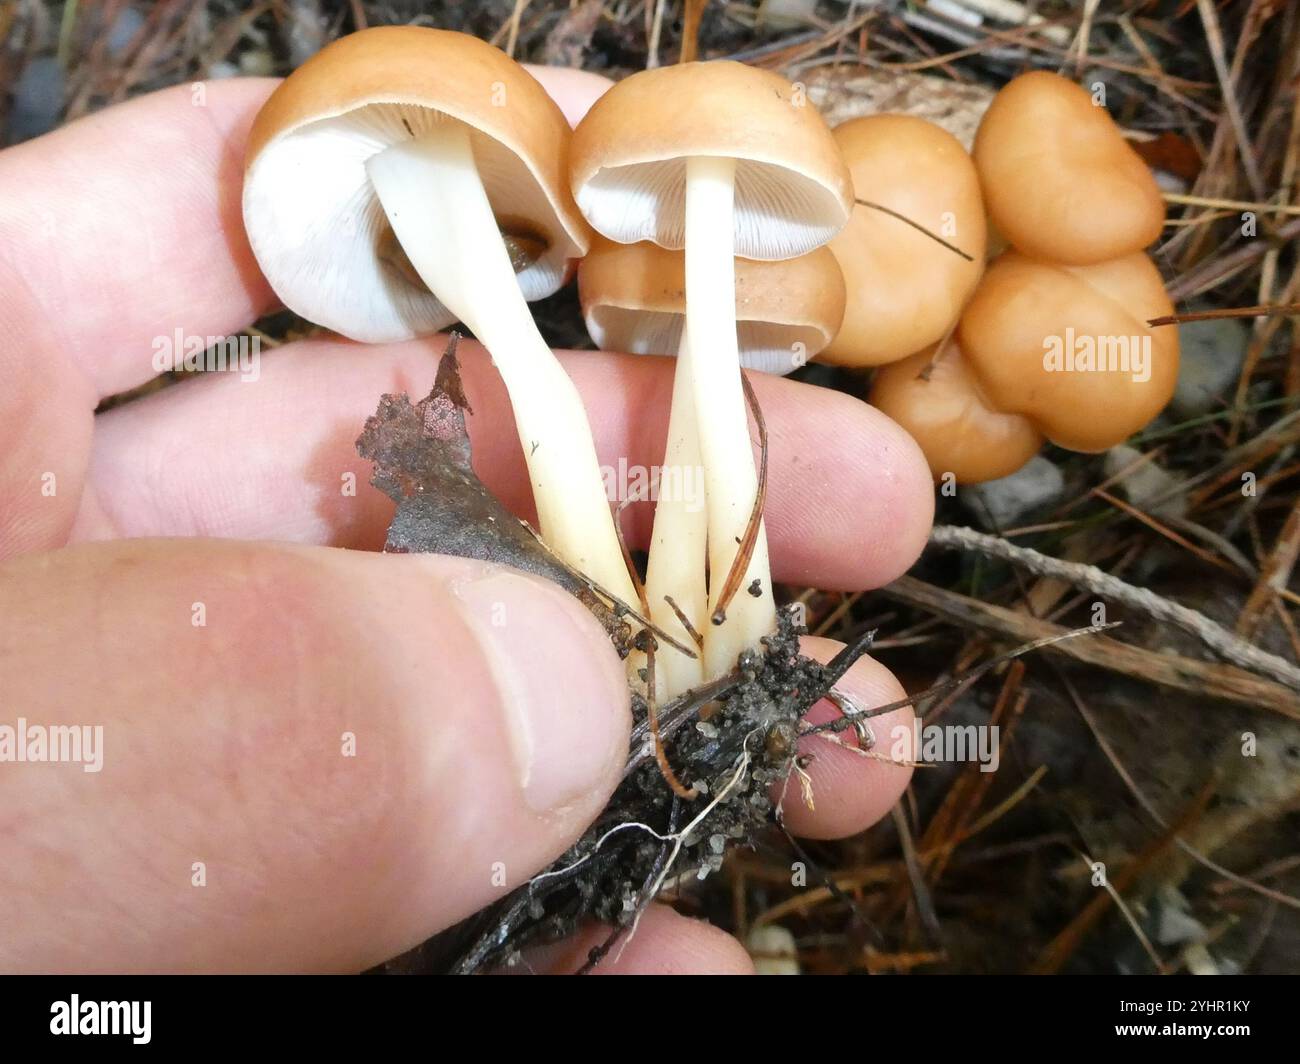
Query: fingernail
{"type": "Point", "coordinates": [563, 688]}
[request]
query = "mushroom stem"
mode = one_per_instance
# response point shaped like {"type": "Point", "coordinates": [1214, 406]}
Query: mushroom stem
{"type": "Point", "coordinates": [722, 420]}
{"type": "Point", "coordinates": [677, 547]}
{"type": "Point", "coordinates": [431, 192]}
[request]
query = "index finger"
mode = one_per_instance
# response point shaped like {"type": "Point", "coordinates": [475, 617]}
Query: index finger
{"type": "Point", "coordinates": [126, 226]}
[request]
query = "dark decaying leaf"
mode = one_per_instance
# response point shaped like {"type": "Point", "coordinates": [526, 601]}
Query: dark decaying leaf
{"type": "Point", "coordinates": [421, 453]}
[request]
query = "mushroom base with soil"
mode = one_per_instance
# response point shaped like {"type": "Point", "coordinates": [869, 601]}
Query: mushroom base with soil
{"type": "Point", "coordinates": [744, 754]}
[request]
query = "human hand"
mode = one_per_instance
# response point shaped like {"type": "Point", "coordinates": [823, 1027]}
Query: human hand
{"type": "Point", "coordinates": [191, 573]}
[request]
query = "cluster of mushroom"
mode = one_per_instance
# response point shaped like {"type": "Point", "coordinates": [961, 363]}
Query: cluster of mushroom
{"type": "Point", "coordinates": [714, 235]}
{"type": "Point", "coordinates": [405, 178]}
{"type": "Point", "coordinates": [1050, 341]}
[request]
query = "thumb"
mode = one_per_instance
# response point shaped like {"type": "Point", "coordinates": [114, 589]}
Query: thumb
{"type": "Point", "coordinates": [310, 758]}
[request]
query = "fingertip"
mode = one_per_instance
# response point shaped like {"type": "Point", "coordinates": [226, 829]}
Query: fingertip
{"type": "Point", "coordinates": [664, 943]}
{"type": "Point", "coordinates": [561, 685]}
{"type": "Point", "coordinates": [904, 489]}
{"type": "Point", "coordinates": [858, 503]}
{"type": "Point", "coordinates": [170, 254]}
{"type": "Point", "coordinates": [850, 791]}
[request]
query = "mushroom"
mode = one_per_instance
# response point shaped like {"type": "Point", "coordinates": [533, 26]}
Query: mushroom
{"type": "Point", "coordinates": [905, 288]}
{"type": "Point", "coordinates": [1060, 182]}
{"type": "Point", "coordinates": [634, 299]}
{"type": "Point", "coordinates": [937, 399]}
{"type": "Point", "coordinates": [1068, 347]}
{"type": "Point", "coordinates": [723, 160]}
{"type": "Point", "coordinates": [404, 178]}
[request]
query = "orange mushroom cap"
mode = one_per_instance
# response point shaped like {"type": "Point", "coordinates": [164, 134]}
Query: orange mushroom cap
{"type": "Point", "coordinates": [937, 399]}
{"type": "Point", "coordinates": [905, 289]}
{"type": "Point", "coordinates": [1069, 348]}
{"type": "Point", "coordinates": [1060, 182]}
{"type": "Point", "coordinates": [628, 158]}
{"type": "Point", "coordinates": [313, 219]}
{"type": "Point", "coordinates": [634, 299]}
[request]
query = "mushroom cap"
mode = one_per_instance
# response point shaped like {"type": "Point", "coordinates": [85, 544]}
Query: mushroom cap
{"type": "Point", "coordinates": [1059, 179]}
{"type": "Point", "coordinates": [316, 226]}
{"type": "Point", "coordinates": [1025, 313]}
{"type": "Point", "coordinates": [905, 289]}
{"type": "Point", "coordinates": [793, 191]}
{"type": "Point", "coordinates": [634, 299]}
{"type": "Point", "coordinates": [946, 412]}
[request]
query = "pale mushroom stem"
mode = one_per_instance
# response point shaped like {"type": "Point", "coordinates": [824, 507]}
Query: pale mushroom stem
{"type": "Point", "coordinates": [722, 419]}
{"type": "Point", "coordinates": [677, 547]}
{"type": "Point", "coordinates": [431, 192]}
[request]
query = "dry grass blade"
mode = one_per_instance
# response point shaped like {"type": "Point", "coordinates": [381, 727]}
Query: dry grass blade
{"type": "Point", "coordinates": [691, 30]}
{"type": "Point", "coordinates": [1214, 636]}
{"type": "Point", "coordinates": [1227, 84]}
{"type": "Point", "coordinates": [1054, 957]}
{"type": "Point", "coordinates": [1262, 311]}
{"type": "Point", "coordinates": [915, 225]}
{"type": "Point", "coordinates": [1199, 678]}
{"type": "Point", "coordinates": [963, 680]}
{"type": "Point", "coordinates": [1273, 576]}
{"type": "Point", "coordinates": [626, 608]}
{"type": "Point", "coordinates": [696, 637]}
{"type": "Point", "coordinates": [1217, 269]}
{"type": "Point", "coordinates": [740, 564]}
{"type": "Point", "coordinates": [652, 719]}
{"type": "Point", "coordinates": [967, 795]}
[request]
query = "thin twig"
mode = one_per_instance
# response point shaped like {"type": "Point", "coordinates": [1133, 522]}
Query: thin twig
{"type": "Point", "coordinates": [687, 794]}
{"type": "Point", "coordinates": [1227, 86]}
{"type": "Point", "coordinates": [685, 622]}
{"type": "Point", "coordinates": [691, 30]}
{"type": "Point", "coordinates": [1262, 311]}
{"type": "Point", "coordinates": [740, 564]}
{"type": "Point", "coordinates": [1201, 678]}
{"type": "Point", "coordinates": [1274, 574]}
{"type": "Point", "coordinates": [964, 679]}
{"type": "Point", "coordinates": [1216, 637]}
{"type": "Point", "coordinates": [915, 225]}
